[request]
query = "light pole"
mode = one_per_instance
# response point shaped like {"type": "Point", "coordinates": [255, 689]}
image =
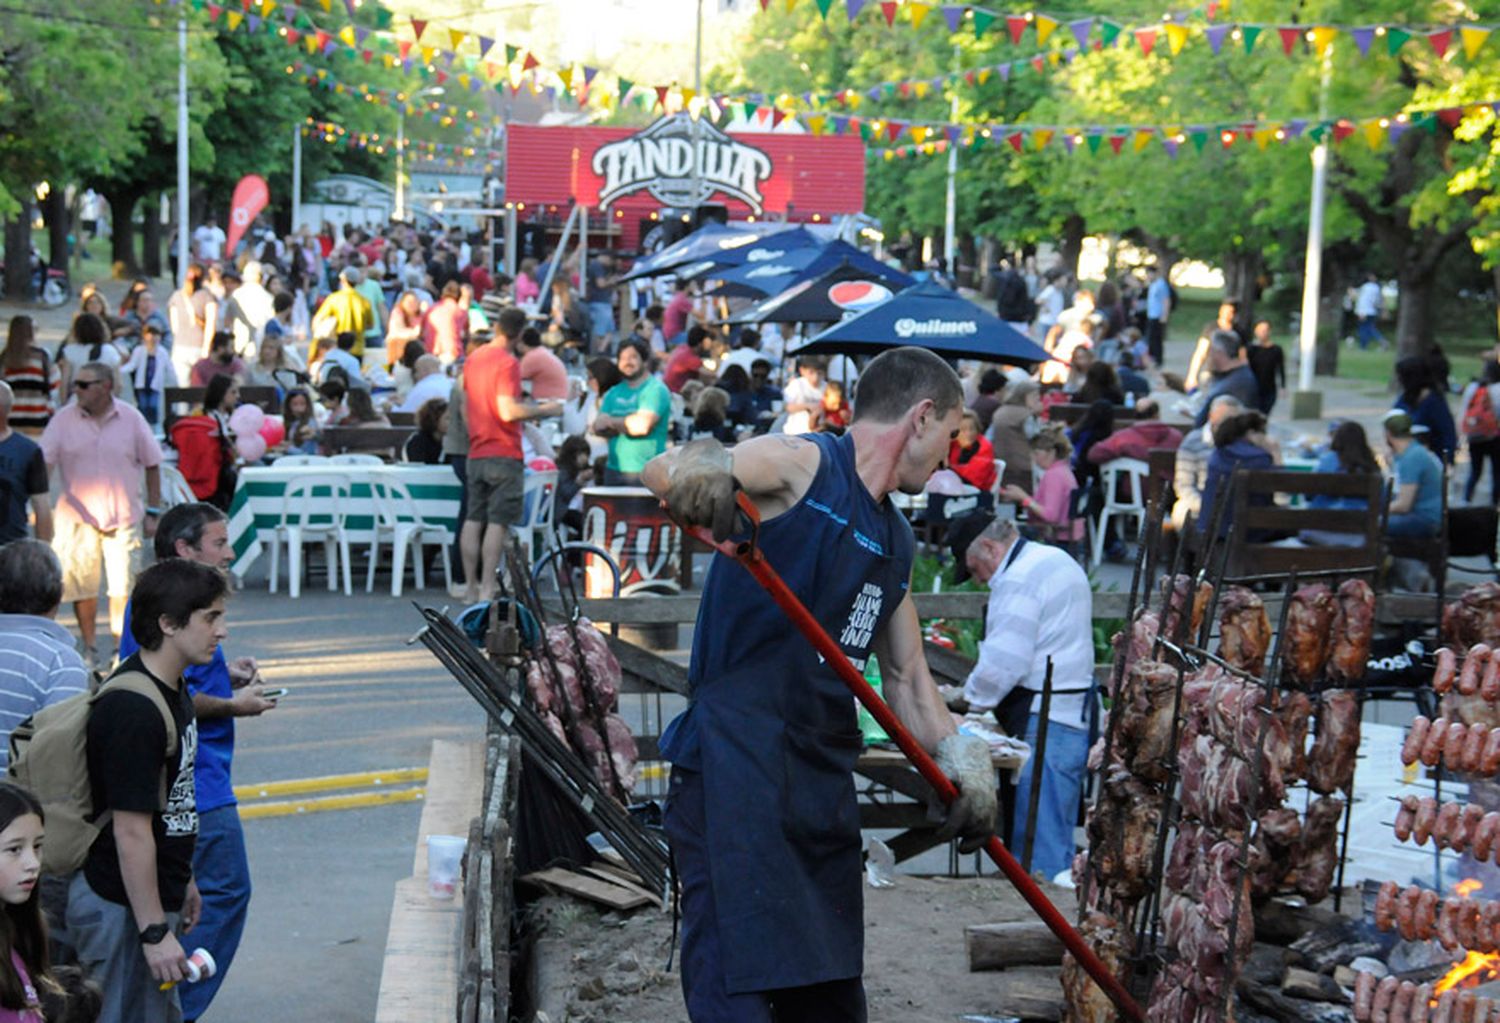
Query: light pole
{"type": "Point", "coordinates": [296, 176]}
{"type": "Point", "coordinates": [183, 229]}
{"type": "Point", "coordinates": [1306, 402]}
{"type": "Point", "coordinates": [950, 205]}
{"type": "Point", "coordinates": [400, 213]}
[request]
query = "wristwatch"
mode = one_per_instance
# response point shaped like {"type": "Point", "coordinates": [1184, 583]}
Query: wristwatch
{"type": "Point", "coordinates": [155, 933]}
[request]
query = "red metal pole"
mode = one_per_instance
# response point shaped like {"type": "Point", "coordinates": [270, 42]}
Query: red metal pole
{"type": "Point", "coordinates": [749, 555]}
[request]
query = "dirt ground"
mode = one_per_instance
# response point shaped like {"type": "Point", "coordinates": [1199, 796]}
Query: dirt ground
{"type": "Point", "coordinates": [605, 967]}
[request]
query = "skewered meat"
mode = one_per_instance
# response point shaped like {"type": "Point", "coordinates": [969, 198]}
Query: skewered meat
{"type": "Point", "coordinates": [1427, 811]}
{"type": "Point", "coordinates": [557, 688]}
{"type": "Point", "coordinates": [1294, 712]}
{"type": "Point", "coordinates": [1470, 710]}
{"type": "Point", "coordinates": [1145, 728]}
{"type": "Point", "coordinates": [1122, 830]}
{"type": "Point", "coordinates": [1218, 787]}
{"type": "Point", "coordinates": [1474, 617]}
{"type": "Point", "coordinates": [1308, 636]}
{"type": "Point", "coordinates": [1364, 994]}
{"type": "Point", "coordinates": [1244, 630]}
{"type": "Point", "coordinates": [1173, 624]}
{"type": "Point", "coordinates": [1353, 629]}
{"type": "Point", "coordinates": [1085, 1001]}
{"type": "Point", "coordinates": [1474, 664]}
{"type": "Point", "coordinates": [1446, 672]}
{"type": "Point", "coordinates": [1489, 685]}
{"type": "Point", "coordinates": [1228, 708]}
{"type": "Point", "coordinates": [1136, 643]}
{"type": "Point", "coordinates": [1318, 854]}
{"type": "Point", "coordinates": [1406, 912]}
{"type": "Point", "coordinates": [1385, 991]}
{"type": "Point", "coordinates": [1188, 850]}
{"type": "Point", "coordinates": [1406, 817]}
{"type": "Point", "coordinates": [1416, 736]}
{"type": "Point", "coordinates": [1385, 905]}
{"type": "Point", "coordinates": [1432, 746]}
{"type": "Point", "coordinates": [1331, 762]}
{"type": "Point", "coordinates": [1272, 850]}
{"type": "Point", "coordinates": [1481, 845]}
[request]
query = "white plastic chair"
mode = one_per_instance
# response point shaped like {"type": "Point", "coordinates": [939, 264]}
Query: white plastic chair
{"type": "Point", "coordinates": [399, 522]}
{"type": "Point", "coordinates": [352, 458]}
{"type": "Point", "coordinates": [312, 511]}
{"type": "Point", "coordinates": [292, 460]}
{"type": "Point", "coordinates": [174, 488]}
{"type": "Point", "coordinates": [539, 501]}
{"type": "Point", "coordinates": [1133, 507]}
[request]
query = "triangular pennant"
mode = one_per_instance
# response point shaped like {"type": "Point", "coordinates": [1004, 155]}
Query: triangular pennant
{"type": "Point", "coordinates": [1143, 137]}
{"type": "Point", "coordinates": [1069, 141]}
{"type": "Point", "coordinates": [511, 53]}
{"type": "Point", "coordinates": [1342, 130]}
{"type": "Point", "coordinates": [1039, 62]}
{"type": "Point", "coordinates": [1397, 129]}
{"type": "Point", "coordinates": [292, 35]}
{"type": "Point", "coordinates": [1249, 33]}
{"type": "Point", "coordinates": [367, 55]}
{"type": "Point", "coordinates": [888, 8]}
{"type": "Point", "coordinates": [214, 11]}
{"type": "Point", "coordinates": [1199, 138]}
{"type": "Point", "coordinates": [233, 19]}
{"type": "Point", "coordinates": [1473, 39]}
{"type": "Point", "coordinates": [486, 44]}
{"type": "Point", "coordinates": [953, 15]}
{"type": "Point", "coordinates": [1215, 35]}
{"type": "Point", "coordinates": [1263, 136]}
{"type": "Point", "coordinates": [404, 47]}
{"type": "Point", "coordinates": [1041, 137]}
{"type": "Point", "coordinates": [1045, 26]}
{"type": "Point", "coordinates": [1451, 116]}
{"type": "Point", "coordinates": [1017, 27]}
{"type": "Point", "coordinates": [1289, 37]}
{"type": "Point", "coordinates": [1440, 42]}
{"type": "Point", "coordinates": [1395, 38]}
{"type": "Point", "coordinates": [1016, 139]}
{"type": "Point", "coordinates": [418, 26]}
{"type": "Point", "coordinates": [1363, 37]}
{"type": "Point", "coordinates": [254, 21]}
{"type": "Point", "coordinates": [777, 117]}
{"type": "Point", "coordinates": [1081, 29]}
{"type": "Point", "coordinates": [918, 12]}
{"type": "Point", "coordinates": [1375, 133]}
{"type": "Point", "coordinates": [530, 62]}
{"type": "Point", "coordinates": [1322, 38]}
{"type": "Point", "coordinates": [853, 7]}
{"type": "Point", "coordinates": [982, 21]}
{"type": "Point", "coordinates": [661, 95]}
{"type": "Point", "coordinates": [1146, 37]}
{"type": "Point", "coordinates": [1176, 36]}
{"type": "Point", "coordinates": [815, 123]}
{"type": "Point", "coordinates": [1109, 32]}
{"type": "Point", "coordinates": [456, 38]}
{"type": "Point", "coordinates": [588, 74]}
{"type": "Point", "coordinates": [1170, 145]}
{"type": "Point", "coordinates": [346, 35]}
{"type": "Point", "coordinates": [1094, 142]}
{"type": "Point", "coordinates": [428, 53]}
{"type": "Point", "coordinates": [919, 133]}
{"type": "Point", "coordinates": [1116, 142]}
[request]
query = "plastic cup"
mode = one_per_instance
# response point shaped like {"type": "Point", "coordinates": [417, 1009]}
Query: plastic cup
{"type": "Point", "coordinates": [445, 854]}
{"type": "Point", "coordinates": [200, 965]}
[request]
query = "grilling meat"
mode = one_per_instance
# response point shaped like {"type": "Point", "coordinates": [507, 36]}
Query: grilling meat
{"type": "Point", "coordinates": [1144, 729]}
{"type": "Point", "coordinates": [1318, 853]}
{"type": "Point", "coordinates": [1273, 849]}
{"type": "Point", "coordinates": [1474, 617]}
{"type": "Point", "coordinates": [1123, 829]}
{"type": "Point", "coordinates": [1331, 761]}
{"type": "Point", "coordinates": [1446, 672]}
{"type": "Point", "coordinates": [1135, 644]}
{"type": "Point", "coordinates": [1084, 1001]}
{"type": "Point", "coordinates": [1244, 630]}
{"type": "Point", "coordinates": [1218, 787]}
{"type": "Point", "coordinates": [1176, 591]}
{"type": "Point", "coordinates": [1308, 638]}
{"type": "Point", "coordinates": [1294, 711]}
{"type": "Point", "coordinates": [1353, 629]}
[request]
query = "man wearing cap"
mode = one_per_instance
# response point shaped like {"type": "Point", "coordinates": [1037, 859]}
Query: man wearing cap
{"type": "Point", "coordinates": [346, 310]}
{"type": "Point", "coordinates": [762, 813]}
{"type": "Point", "coordinates": [1040, 610]}
{"type": "Point", "coordinates": [1416, 507]}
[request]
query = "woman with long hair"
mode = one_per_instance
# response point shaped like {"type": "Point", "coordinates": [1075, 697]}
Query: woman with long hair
{"type": "Point", "coordinates": [1100, 383]}
{"type": "Point", "coordinates": [1240, 442]}
{"type": "Point", "coordinates": [205, 446]}
{"type": "Point", "coordinates": [25, 967]}
{"type": "Point", "coordinates": [1013, 425]}
{"type": "Point", "coordinates": [194, 314]}
{"type": "Point", "coordinates": [1427, 405]}
{"type": "Point", "coordinates": [405, 326]}
{"type": "Point", "coordinates": [362, 410]}
{"type": "Point", "coordinates": [301, 422]}
{"type": "Point", "coordinates": [33, 377]}
{"type": "Point", "coordinates": [425, 447]}
{"type": "Point", "coordinates": [87, 341]}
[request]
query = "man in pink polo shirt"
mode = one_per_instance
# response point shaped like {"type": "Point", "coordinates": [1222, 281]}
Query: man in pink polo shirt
{"type": "Point", "coordinates": [100, 445]}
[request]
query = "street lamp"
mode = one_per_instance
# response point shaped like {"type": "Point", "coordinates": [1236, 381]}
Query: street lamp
{"type": "Point", "coordinates": [400, 213]}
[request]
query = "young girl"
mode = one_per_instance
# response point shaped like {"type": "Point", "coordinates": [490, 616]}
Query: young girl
{"type": "Point", "coordinates": [835, 408]}
{"type": "Point", "coordinates": [22, 931]}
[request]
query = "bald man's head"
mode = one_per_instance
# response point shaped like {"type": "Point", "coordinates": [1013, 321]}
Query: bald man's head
{"type": "Point", "coordinates": [7, 399]}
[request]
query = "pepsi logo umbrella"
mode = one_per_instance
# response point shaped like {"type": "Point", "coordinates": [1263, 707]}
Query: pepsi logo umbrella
{"type": "Point", "coordinates": [711, 239]}
{"type": "Point", "coordinates": [843, 291]}
{"type": "Point", "coordinates": [929, 316]}
{"type": "Point", "coordinates": [775, 276]}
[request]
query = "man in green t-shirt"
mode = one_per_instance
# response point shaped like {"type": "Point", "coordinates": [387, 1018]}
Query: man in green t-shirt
{"type": "Point", "coordinates": [633, 414]}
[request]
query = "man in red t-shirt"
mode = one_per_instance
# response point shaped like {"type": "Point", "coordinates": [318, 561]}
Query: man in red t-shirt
{"type": "Point", "coordinates": [686, 362]}
{"type": "Point", "coordinates": [496, 474]}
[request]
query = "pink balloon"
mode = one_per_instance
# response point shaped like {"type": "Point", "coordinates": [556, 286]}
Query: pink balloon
{"type": "Point", "coordinates": [251, 446]}
{"type": "Point", "coordinates": [247, 419]}
{"type": "Point", "coordinates": [273, 430]}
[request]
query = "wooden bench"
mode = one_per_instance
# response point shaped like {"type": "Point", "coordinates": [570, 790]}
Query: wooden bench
{"type": "Point", "coordinates": [381, 440]}
{"type": "Point", "coordinates": [265, 397]}
{"type": "Point", "coordinates": [1255, 513]}
{"type": "Point", "coordinates": [402, 418]}
{"type": "Point", "coordinates": [1069, 412]}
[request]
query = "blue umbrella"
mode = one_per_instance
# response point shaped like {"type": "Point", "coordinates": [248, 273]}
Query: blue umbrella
{"type": "Point", "coordinates": [824, 298]}
{"type": "Point", "coordinates": [771, 247]}
{"type": "Point", "coordinates": [710, 239]}
{"type": "Point", "coordinates": [927, 315]}
{"type": "Point", "coordinates": [775, 276]}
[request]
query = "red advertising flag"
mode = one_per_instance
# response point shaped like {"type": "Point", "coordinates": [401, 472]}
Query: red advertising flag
{"type": "Point", "coordinates": [250, 197]}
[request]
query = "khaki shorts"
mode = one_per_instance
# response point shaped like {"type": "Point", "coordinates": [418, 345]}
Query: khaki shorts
{"type": "Point", "coordinates": [87, 555]}
{"type": "Point", "coordinates": [496, 490]}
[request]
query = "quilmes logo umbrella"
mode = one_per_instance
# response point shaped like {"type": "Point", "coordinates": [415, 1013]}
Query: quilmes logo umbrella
{"type": "Point", "coordinates": [681, 163]}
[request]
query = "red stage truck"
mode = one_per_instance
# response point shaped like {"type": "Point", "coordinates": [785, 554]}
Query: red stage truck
{"type": "Point", "coordinates": [628, 176]}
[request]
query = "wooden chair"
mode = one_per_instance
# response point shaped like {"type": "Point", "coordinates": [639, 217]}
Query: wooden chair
{"type": "Point", "coordinates": [1256, 514]}
{"type": "Point", "coordinates": [1069, 412]}
{"type": "Point", "coordinates": [382, 440]}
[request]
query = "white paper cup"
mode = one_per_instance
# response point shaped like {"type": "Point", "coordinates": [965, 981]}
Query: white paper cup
{"type": "Point", "coordinates": [200, 965]}
{"type": "Point", "coordinates": [445, 854]}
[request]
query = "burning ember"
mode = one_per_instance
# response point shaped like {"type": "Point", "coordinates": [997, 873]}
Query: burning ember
{"type": "Point", "coordinates": [1468, 886]}
{"type": "Point", "coordinates": [1476, 967]}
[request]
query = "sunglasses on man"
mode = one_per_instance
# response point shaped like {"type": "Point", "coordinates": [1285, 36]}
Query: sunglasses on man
{"type": "Point", "coordinates": [84, 385]}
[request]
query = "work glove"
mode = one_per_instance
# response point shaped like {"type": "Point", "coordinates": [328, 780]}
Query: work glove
{"type": "Point", "coordinates": [965, 759]}
{"type": "Point", "coordinates": [701, 488]}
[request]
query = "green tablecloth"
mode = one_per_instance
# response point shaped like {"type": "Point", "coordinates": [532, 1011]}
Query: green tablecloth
{"type": "Point", "coordinates": [255, 511]}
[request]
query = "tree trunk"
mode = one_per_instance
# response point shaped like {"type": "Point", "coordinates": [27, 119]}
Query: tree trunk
{"type": "Point", "coordinates": [1413, 311]}
{"type": "Point", "coordinates": [151, 236]}
{"type": "Point", "coordinates": [988, 254]}
{"type": "Point", "coordinates": [122, 233]}
{"type": "Point", "coordinates": [1070, 243]}
{"type": "Point", "coordinates": [55, 212]}
{"type": "Point", "coordinates": [969, 267]}
{"type": "Point", "coordinates": [1241, 285]}
{"type": "Point", "coordinates": [18, 255]}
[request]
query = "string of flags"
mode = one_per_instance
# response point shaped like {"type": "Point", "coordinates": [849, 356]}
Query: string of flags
{"type": "Point", "coordinates": [442, 114]}
{"type": "Point", "coordinates": [374, 142]}
{"type": "Point", "coordinates": [1172, 30]}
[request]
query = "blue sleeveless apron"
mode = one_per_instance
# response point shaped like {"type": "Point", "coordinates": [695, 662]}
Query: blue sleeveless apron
{"type": "Point", "coordinates": [772, 731]}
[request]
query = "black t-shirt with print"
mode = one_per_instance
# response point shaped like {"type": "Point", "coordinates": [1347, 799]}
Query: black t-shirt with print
{"type": "Point", "coordinates": [127, 742]}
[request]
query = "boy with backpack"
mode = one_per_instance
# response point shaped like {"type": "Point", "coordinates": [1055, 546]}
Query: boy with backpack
{"type": "Point", "coordinates": [128, 813]}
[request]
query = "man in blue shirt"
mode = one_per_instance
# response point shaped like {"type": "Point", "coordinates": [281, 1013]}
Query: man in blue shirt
{"type": "Point", "coordinates": [222, 691]}
{"type": "Point", "coordinates": [1158, 309]}
{"type": "Point", "coordinates": [23, 479]}
{"type": "Point", "coordinates": [1416, 507]}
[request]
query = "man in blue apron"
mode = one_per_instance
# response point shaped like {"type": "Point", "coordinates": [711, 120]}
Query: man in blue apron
{"type": "Point", "coordinates": [1040, 610]}
{"type": "Point", "coordinates": [762, 814]}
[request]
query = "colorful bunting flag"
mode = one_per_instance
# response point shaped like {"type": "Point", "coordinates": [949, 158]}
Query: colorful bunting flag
{"type": "Point", "coordinates": [953, 15]}
{"type": "Point", "coordinates": [1081, 29]}
{"type": "Point", "coordinates": [1215, 35]}
{"type": "Point", "coordinates": [982, 21]}
{"type": "Point", "coordinates": [1176, 36]}
{"type": "Point", "coordinates": [1045, 26]}
{"type": "Point", "coordinates": [1473, 39]}
{"type": "Point", "coordinates": [1363, 37]}
{"type": "Point", "coordinates": [1322, 38]}
{"type": "Point", "coordinates": [1249, 34]}
{"type": "Point", "coordinates": [1016, 139]}
{"type": "Point", "coordinates": [1289, 37]}
{"type": "Point", "coordinates": [1109, 31]}
{"type": "Point", "coordinates": [918, 12]}
{"type": "Point", "coordinates": [1440, 41]}
{"type": "Point", "coordinates": [888, 8]}
{"type": "Point", "coordinates": [1041, 137]}
{"type": "Point", "coordinates": [853, 7]}
{"type": "Point", "coordinates": [1115, 142]}
{"type": "Point", "coordinates": [1146, 37]}
{"type": "Point", "coordinates": [418, 26]}
{"type": "Point", "coordinates": [1395, 38]}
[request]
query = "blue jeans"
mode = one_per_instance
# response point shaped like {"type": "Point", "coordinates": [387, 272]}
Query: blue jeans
{"type": "Point", "coordinates": [223, 875]}
{"type": "Point", "coordinates": [1368, 331]}
{"type": "Point", "coordinates": [703, 988]}
{"type": "Point", "coordinates": [1065, 760]}
{"type": "Point", "coordinates": [108, 943]}
{"type": "Point", "coordinates": [602, 317]}
{"type": "Point", "coordinates": [1409, 525]}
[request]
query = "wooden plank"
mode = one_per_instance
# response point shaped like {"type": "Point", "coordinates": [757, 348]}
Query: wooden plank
{"type": "Point", "coordinates": [612, 877]}
{"type": "Point", "coordinates": [624, 874]}
{"type": "Point", "coordinates": [651, 667]}
{"type": "Point", "coordinates": [951, 605]}
{"type": "Point", "coordinates": [418, 981]}
{"type": "Point", "coordinates": [1000, 946]}
{"type": "Point", "coordinates": [1032, 994]}
{"type": "Point", "coordinates": [592, 888]}
{"type": "Point", "coordinates": [455, 787]}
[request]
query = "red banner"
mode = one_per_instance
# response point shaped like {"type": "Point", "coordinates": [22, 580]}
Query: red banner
{"type": "Point", "coordinates": [250, 197]}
